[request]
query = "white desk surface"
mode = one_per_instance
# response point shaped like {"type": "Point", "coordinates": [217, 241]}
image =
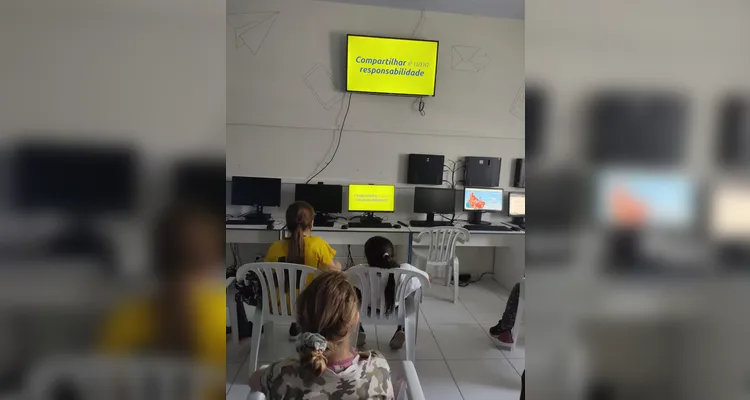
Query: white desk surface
{"type": "Point", "coordinates": [337, 228]}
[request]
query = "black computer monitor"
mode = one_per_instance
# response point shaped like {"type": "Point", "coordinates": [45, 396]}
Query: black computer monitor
{"type": "Point", "coordinates": [73, 178]}
{"type": "Point", "coordinates": [259, 192]}
{"type": "Point", "coordinates": [325, 199]}
{"type": "Point", "coordinates": [478, 200]}
{"type": "Point", "coordinates": [201, 180]}
{"type": "Point", "coordinates": [433, 201]}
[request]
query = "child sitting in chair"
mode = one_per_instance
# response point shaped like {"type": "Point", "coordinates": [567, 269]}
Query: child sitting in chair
{"type": "Point", "coordinates": [379, 254]}
{"type": "Point", "coordinates": [327, 366]}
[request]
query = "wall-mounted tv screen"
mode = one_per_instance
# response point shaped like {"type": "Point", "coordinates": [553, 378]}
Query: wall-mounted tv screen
{"type": "Point", "coordinates": [391, 66]}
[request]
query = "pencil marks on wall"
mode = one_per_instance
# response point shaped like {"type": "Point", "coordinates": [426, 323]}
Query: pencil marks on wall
{"type": "Point", "coordinates": [469, 58]}
{"type": "Point", "coordinates": [519, 105]}
{"type": "Point", "coordinates": [251, 29]}
{"type": "Point", "coordinates": [320, 82]}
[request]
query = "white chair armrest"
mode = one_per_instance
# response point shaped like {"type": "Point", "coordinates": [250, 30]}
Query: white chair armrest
{"type": "Point", "coordinates": [418, 238]}
{"type": "Point", "coordinates": [256, 396]}
{"type": "Point", "coordinates": [413, 387]}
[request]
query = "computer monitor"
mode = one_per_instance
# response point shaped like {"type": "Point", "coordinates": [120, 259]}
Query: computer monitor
{"type": "Point", "coordinates": [73, 178]}
{"type": "Point", "coordinates": [259, 192]}
{"type": "Point", "coordinates": [478, 200]}
{"type": "Point", "coordinates": [517, 204]}
{"type": "Point", "coordinates": [637, 199]}
{"type": "Point", "coordinates": [325, 199]}
{"type": "Point", "coordinates": [729, 214]}
{"type": "Point", "coordinates": [200, 180]}
{"type": "Point", "coordinates": [433, 201]}
{"type": "Point", "coordinates": [372, 198]}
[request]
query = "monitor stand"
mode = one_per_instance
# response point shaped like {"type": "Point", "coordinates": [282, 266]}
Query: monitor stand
{"type": "Point", "coordinates": [323, 219]}
{"type": "Point", "coordinates": [257, 217]}
{"type": "Point", "coordinates": [81, 239]}
{"type": "Point", "coordinates": [475, 218]}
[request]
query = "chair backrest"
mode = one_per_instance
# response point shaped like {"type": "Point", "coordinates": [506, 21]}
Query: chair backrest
{"type": "Point", "coordinates": [94, 377]}
{"type": "Point", "coordinates": [372, 282]}
{"type": "Point", "coordinates": [443, 242]}
{"type": "Point", "coordinates": [276, 278]}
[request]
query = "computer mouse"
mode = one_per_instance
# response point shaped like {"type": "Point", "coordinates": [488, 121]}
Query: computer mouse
{"type": "Point", "coordinates": [344, 226]}
{"type": "Point", "coordinates": [397, 226]}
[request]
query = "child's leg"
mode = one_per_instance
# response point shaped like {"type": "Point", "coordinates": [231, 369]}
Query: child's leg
{"type": "Point", "coordinates": [398, 339]}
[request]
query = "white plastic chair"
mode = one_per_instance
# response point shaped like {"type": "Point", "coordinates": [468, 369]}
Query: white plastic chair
{"type": "Point", "coordinates": [372, 282]}
{"type": "Point", "coordinates": [274, 307]}
{"type": "Point", "coordinates": [96, 377]}
{"type": "Point", "coordinates": [441, 253]}
{"type": "Point", "coordinates": [412, 390]}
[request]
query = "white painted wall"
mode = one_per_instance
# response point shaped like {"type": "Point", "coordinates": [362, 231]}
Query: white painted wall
{"type": "Point", "coordinates": [276, 126]}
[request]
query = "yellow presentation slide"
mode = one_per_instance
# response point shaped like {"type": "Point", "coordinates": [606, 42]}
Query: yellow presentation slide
{"type": "Point", "coordinates": [374, 198]}
{"type": "Point", "coordinates": [393, 66]}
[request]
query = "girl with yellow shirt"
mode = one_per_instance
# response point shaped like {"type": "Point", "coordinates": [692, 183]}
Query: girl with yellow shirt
{"type": "Point", "coordinates": [302, 248]}
{"type": "Point", "coordinates": [184, 317]}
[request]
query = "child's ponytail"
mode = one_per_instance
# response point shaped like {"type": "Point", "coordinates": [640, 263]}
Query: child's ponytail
{"type": "Point", "coordinates": [299, 217]}
{"type": "Point", "coordinates": [390, 287]}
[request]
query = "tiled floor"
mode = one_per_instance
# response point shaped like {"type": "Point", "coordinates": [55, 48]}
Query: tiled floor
{"type": "Point", "coordinates": [456, 358]}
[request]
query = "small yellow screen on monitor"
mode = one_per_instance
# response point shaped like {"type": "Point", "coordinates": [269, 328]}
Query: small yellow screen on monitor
{"type": "Point", "coordinates": [391, 66]}
{"type": "Point", "coordinates": [373, 198]}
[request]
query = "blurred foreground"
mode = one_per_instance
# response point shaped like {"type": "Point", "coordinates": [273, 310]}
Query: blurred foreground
{"type": "Point", "coordinates": [111, 119]}
{"type": "Point", "coordinates": [638, 235]}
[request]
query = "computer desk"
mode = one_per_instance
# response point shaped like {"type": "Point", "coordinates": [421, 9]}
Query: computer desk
{"type": "Point", "coordinates": [508, 257]}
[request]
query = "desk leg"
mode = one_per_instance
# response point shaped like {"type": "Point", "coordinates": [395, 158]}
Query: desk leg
{"type": "Point", "coordinates": [234, 321]}
{"type": "Point", "coordinates": [409, 246]}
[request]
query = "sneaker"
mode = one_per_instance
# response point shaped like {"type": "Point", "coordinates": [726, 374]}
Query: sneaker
{"type": "Point", "coordinates": [397, 341]}
{"type": "Point", "coordinates": [505, 337]}
{"type": "Point", "coordinates": [293, 332]}
{"type": "Point", "coordinates": [497, 329]}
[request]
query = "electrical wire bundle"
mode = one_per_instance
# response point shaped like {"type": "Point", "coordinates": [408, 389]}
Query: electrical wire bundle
{"type": "Point", "coordinates": [453, 169]}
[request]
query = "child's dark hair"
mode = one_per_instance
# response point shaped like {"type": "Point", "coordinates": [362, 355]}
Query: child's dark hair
{"type": "Point", "coordinates": [379, 253]}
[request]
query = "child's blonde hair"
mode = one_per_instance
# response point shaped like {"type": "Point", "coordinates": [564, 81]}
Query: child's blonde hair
{"type": "Point", "coordinates": [328, 306]}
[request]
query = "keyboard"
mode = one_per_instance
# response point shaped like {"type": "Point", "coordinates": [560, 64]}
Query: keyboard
{"type": "Point", "coordinates": [425, 224]}
{"type": "Point", "coordinates": [328, 224]}
{"type": "Point", "coordinates": [491, 228]}
{"type": "Point", "coordinates": [248, 222]}
{"type": "Point", "coordinates": [370, 225]}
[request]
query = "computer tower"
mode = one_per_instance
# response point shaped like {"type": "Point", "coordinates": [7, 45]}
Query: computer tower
{"type": "Point", "coordinates": [425, 169]}
{"type": "Point", "coordinates": [482, 172]}
{"type": "Point", "coordinates": [734, 133]}
{"type": "Point", "coordinates": [519, 173]}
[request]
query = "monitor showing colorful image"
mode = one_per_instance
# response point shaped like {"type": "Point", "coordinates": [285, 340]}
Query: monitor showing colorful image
{"type": "Point", "coordinates": [477, 199]}
{"type": "Point", "coordinates": [644, 198]}
{"type": "Point", "coordinates": [371, 198]}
